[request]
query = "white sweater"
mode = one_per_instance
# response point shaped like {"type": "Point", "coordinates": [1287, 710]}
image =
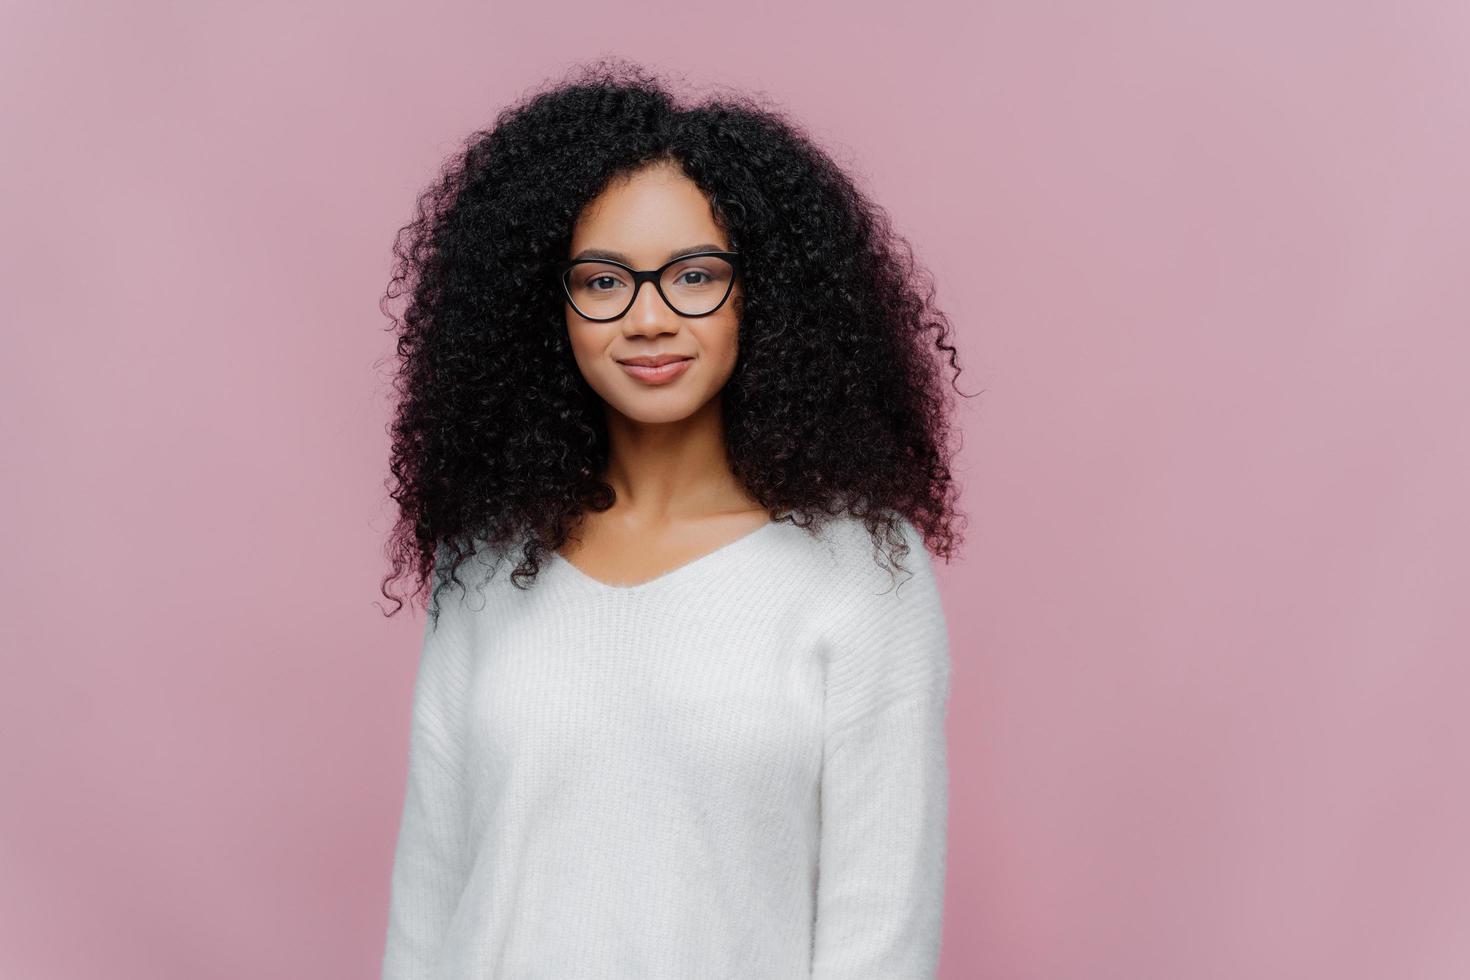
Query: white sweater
{"type": "Point", "coordinates": [737, 769]}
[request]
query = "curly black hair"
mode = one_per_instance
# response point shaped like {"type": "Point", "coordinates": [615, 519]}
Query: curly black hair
{"type": "Point", "coordinates": [836, 404]}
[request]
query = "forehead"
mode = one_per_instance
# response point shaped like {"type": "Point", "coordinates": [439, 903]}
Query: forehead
{"type": "Point", "coordinates": [647, 216]}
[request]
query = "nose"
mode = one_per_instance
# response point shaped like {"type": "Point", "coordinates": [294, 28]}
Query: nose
{"type": "Point", "coordinates": [650, 315]}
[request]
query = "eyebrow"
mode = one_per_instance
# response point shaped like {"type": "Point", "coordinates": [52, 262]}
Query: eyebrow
{"type": "Point", "coordinates": [603, 253]}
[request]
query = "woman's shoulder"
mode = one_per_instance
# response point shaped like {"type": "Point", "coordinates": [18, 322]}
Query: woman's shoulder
{"type": "Point", "coordinates": [845, 537]}
{"type": "Point", "coordinates": [463, 577]}
{"type": "Point", "coordinates": [853, 561]}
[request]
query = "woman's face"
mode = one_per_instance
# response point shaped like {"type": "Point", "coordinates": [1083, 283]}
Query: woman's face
{"type": "Point", "coordinates": [643, 220]}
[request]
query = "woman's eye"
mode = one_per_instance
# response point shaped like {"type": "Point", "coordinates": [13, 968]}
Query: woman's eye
{"type": "Point", "coordinates": [693, 272]}
{"type": "Point", "coordinates": [607, 279]}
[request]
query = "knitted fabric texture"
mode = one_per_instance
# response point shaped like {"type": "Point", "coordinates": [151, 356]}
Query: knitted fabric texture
{"type": "Point", "coordinates": [736, 769]}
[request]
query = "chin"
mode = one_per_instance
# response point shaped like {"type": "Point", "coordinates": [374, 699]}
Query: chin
{"type": "Point", "coordinates": [638, 410]}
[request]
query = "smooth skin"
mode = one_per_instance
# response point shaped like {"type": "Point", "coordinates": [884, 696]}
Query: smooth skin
{"type": "Point", "coordinates": [677, 498]}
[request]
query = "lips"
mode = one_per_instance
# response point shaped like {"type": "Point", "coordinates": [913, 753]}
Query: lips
{"type": "Point", "coordinates": [663, 369]}
{"type": "Point", "coordinates": [653, 360]}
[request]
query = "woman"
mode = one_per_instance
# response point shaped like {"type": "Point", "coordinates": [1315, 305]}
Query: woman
{"type": "Point", "coordinates": [666, 368]}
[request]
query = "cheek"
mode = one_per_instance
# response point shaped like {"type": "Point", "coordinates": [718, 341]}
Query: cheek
{"type": "Point", "coordinates": [721, 347]}
{"type": "Point", "coordinates": [729, 343]}
{"type": "Point", "coordinates": [588, 346]}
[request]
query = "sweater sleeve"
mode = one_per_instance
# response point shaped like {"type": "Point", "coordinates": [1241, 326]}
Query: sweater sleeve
{"type": "Point", "coordinates": [429, 864]}
{"type": "Point", "coordinates": [884, 785]}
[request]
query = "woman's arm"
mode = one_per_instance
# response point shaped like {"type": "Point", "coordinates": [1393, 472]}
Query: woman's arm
{"type": "Point", "coordinates": [430, 863]}
{"type": "Point", "coordinates": [884, 789]}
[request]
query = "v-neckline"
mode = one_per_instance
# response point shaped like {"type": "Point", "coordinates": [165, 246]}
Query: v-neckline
{"type": "Point", "coordinates": [673, 574]}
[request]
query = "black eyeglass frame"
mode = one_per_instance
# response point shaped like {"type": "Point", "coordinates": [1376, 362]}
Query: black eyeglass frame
{"type": "Point", "coordinates": [653, 276]}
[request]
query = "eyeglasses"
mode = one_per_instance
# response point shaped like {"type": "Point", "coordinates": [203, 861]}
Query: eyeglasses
{"type": "Point", "coordinates": [692, 285]}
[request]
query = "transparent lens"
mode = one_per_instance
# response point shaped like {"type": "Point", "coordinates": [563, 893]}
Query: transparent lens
{"type": "Point", "coordinates": [697, 285]}
{"type": "Point", "coordinates": [599, 290]}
